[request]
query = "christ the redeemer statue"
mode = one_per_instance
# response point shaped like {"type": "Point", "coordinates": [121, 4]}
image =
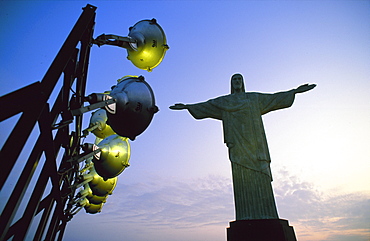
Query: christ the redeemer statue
{"type": "Point", "coordinates": [241, 115]}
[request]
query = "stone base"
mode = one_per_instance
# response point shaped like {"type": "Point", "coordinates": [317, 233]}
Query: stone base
{"type": "Point", "coordinates": [260, 230]}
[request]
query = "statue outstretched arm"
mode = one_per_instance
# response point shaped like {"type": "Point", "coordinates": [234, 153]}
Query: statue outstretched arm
{"type": "Point", "coordinates": [200, 110]}
{"type": "Point", "coordinates": [304, 88]}
{"type": "Point", "coordinates": [178, 106]}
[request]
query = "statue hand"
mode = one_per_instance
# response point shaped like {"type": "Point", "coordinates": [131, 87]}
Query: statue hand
{"type": "Point", "coordinates": [230, 144]}
{"type": "Point", "coordinates": [304, 88]}
{"type": "Point", "coordinates": [178, 106]}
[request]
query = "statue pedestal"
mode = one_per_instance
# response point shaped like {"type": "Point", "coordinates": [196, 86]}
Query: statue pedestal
{"type": "Point", "coordinates": [260, 230]}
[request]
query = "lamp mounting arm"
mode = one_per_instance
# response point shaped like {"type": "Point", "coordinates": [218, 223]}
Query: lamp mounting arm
{"type": "Point", "coordinates": [111, 39]}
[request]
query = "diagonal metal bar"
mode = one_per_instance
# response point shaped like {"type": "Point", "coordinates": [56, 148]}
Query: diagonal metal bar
{"type": "Point", "coordinates": [83, 23]}
{"type": "Point", "coordinates": [21, 187]}
{"type": "Point", "coordinates": [16, 141]}
{"type": "Point", "coordinates": [20, 100]}
{"type": "Point", "coordinates": [47, 206]}
{"type": "Point", "coordinates": [49, 169]}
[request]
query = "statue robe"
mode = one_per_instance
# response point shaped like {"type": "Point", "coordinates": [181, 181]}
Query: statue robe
{"type": "Point", "coordinates": [244, 134]}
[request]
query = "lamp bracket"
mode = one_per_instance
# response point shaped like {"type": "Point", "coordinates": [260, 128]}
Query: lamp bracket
{"type": "Point", "coordinates": [84, 156]}
{"type": "Point", "coordinates": [94, 106]}
{"type": "Point", "coordinates": [111, 39]}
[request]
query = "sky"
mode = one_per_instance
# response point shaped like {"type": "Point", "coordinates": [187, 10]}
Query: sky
{"type": "Point", "coordinates": [179, 186]}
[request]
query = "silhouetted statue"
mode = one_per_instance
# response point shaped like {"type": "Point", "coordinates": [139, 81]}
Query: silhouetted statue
{"type": "Point", "coordinates": [244, 135]}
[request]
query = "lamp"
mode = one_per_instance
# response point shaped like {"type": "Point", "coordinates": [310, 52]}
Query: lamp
{"type": "Point", "coordinates": [89, 207]}
{"type": "Point", "coordinates": [98, 185]}
{"type": "Point", "coordinates": [98, 124]}
{"type": "Point", "coordinates": [134, 106]}
{"type": "Point", "coordinates": [113, 158]}
{"type": "Point", "coordinates": [146, 44]}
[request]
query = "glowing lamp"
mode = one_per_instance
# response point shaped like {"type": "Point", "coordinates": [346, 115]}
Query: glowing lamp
{"type": "Point", "coordinates": [99, 120]}
{"type": "Point", "coordinates": [146, 44]}
{"type": "Point", "coordinates": [89, 207]}
{"type": "Point", "coordinates": [98, 185]}
{"type": "Point", "coordinates": [150, 45]}
{"type": "Point", "coordinates": [94, 199]}
{"type": "Point", "coordinates": [113, 158]}
{"type": "Point", "coordinates": [93, 208]}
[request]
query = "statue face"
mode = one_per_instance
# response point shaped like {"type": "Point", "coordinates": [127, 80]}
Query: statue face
{"type": "Point", "coordinates": [237, 82]}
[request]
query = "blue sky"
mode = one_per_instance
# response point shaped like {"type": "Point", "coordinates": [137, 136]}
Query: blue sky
{"type": "Point", "coordinates": [178, 186]}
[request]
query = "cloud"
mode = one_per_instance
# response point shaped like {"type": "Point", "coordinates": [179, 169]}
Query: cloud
{"type": "Point", "coordinates": [191, 203]}
{"type": "Point", "coordinates": [318, 215]}
{"type": "Point", "coordinates": [164, 208]}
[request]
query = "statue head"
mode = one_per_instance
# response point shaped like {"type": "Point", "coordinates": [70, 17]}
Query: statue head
{"type": "Point", "coordinates": [237, 83]}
